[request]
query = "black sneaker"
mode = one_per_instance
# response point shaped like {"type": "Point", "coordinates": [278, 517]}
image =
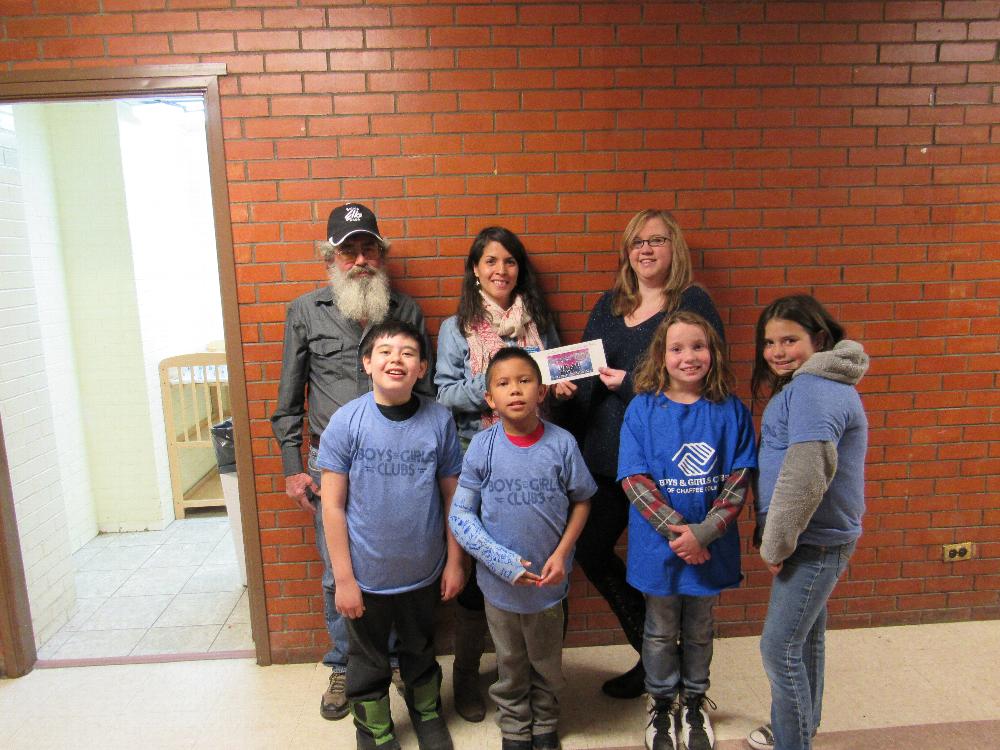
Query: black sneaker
{"type": "Point", "coordinates": [696, 727]}
{"type": "Point", "coordinates": [333, 705]}
{"type": "Point", "coordinates": [661, 732]}
{"type": "Point", "coordinates": [547, 741]}
{"type": "Point", "coordinates": [632, 684]}
{"type": "Point", "coordinates": [509, 744]}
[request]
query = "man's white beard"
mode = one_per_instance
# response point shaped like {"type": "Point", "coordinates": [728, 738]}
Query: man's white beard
{"type": "Point", "coordinates": [361, 295]}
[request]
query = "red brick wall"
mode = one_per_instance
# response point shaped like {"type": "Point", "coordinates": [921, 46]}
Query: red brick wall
{"type": "Point", "coordinates": [845, 148]}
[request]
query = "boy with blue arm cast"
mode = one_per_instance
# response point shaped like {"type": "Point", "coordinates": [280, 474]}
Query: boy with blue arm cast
{"type": "Point", "coordinates": [390, 462]}
{"type": "Point", "coordinates": [522, 500]}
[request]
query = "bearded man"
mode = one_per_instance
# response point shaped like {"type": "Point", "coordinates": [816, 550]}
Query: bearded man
{"type": "Point", "coordinates": [321, 361]}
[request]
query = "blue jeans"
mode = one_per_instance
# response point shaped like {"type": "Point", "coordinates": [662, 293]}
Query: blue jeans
{"type": "Point", "coordinates": [793, 645]}
{"type": "Point", "coordinates": [336, 625]}
{"type": "Point", "coordinates": [670, 664]}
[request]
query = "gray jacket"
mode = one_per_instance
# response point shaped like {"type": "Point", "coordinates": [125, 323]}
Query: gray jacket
{"type": "Point", "coordinates": [457, 388]}
{"type": "Point", "coordinates": [322, 357]}
{"type": "Point", "coordinates": [808, 467]}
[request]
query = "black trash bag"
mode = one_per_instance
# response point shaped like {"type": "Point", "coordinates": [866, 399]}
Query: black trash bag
{"type": "Point", "coordinates": [225, 449]}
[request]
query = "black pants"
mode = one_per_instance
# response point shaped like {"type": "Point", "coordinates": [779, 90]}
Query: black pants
{"type": "Point", "coordinates": [595, 553]}
{"type": "Point", "coordinates": [471, 597]}
{"type": "Point", "coordinates": [411, 614]}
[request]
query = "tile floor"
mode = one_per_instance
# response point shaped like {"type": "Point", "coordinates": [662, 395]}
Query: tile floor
{"type": "Point", "coordinates": [156, 592]}
{"type": "Point", "coordinates": [876, 679]}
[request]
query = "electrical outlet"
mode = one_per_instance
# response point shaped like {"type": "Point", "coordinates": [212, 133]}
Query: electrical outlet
{"type": "Point", "coordinates": [957, 552]}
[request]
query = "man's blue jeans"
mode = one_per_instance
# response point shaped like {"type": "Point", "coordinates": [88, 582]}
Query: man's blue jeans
{"type": "Point", "coordinates": [336, 626]}
{"type": "Point", "coordinates": [793, 644]}
{"type": "Point", "coordinates": [670, 666]}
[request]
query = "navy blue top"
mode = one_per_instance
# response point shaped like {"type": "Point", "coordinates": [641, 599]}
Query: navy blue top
{"type": "Point", "coordinates": [603, 410]}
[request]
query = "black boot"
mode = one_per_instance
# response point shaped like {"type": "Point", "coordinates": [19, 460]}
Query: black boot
{"type": "Point", "coordinates": [424, 704]}
{"type": "Point", "coordinates": [632, 684]}
{"type": "Point", "coordinates": [374, 724]}
{"type": "Point", "coordinates": [470, 641]}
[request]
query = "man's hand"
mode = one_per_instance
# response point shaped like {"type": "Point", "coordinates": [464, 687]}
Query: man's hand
{"type": "Point", "coordinates": [296, 486]}
{"type": "Point", "coordinates": [775, 569]}
{"type": "Point", "coordinates": [349, 601]}
{"type": "Point", "coordinates": [687, 547]}
{"type": "Point", "coordinates": [452, 579]}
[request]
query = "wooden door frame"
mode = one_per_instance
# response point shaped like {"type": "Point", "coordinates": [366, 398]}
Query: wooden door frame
{"type": "Point", "coordinates": [16, 633]}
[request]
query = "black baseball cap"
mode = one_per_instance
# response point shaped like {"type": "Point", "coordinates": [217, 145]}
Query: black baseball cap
{"type": "Point", "coordinates": [349, 219]}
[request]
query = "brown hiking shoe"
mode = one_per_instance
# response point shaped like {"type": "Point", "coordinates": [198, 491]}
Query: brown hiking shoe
{"type": "Point", "coordinates": [333, 704]}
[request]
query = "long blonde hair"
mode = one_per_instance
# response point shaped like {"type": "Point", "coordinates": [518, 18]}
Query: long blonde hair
{"type": "Point", "coordinates": [625, 292]}
{"type": "Point", "coordinates": [651, 375]}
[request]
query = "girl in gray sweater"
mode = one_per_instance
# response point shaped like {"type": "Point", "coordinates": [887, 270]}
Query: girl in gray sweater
{"type": "Point", "coordinates": [814, 436]}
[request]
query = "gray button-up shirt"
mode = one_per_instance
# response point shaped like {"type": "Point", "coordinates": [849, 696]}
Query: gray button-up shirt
{"type": "Point", "coordinates": [322, 350]}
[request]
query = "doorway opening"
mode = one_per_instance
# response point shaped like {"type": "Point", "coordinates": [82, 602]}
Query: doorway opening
{"type": "Point", "coordinates": [122, 405]}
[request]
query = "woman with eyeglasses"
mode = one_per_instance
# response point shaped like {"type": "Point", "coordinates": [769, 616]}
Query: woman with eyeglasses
{"type": "Point", "coordinates": [654, 279]}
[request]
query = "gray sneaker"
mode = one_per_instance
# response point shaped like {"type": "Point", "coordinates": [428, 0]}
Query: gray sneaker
{"type": "Point", "coordinates": [762, 738]}
{"type": "Point", "coordinates": [333, 704]}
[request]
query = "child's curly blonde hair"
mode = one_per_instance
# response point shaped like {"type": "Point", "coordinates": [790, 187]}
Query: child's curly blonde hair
{"type": "Point", "coordinates": [651, 375]}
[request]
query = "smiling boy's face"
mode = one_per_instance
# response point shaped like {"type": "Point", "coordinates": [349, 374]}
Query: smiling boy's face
{"type": "Point", "coordinates": [515, 392]}
{"type": "Point", "coordinates": [395, 367]}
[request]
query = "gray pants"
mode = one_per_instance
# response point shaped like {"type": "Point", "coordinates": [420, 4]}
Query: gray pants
{"type": "Point", "coordinates": [529, 663]}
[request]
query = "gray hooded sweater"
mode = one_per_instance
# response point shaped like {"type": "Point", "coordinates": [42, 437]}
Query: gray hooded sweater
{"type": "Point", "coordinates": [814, 436]}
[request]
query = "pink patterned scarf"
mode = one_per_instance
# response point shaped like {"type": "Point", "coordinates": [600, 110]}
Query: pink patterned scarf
{"type": "Point", "coordinates": [499, 328]}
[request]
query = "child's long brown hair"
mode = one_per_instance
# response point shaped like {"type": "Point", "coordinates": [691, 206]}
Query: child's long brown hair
{"type": "Point", "coordinates": [651, 375]}
{"type": "Point", "coordinates": [805, 310]}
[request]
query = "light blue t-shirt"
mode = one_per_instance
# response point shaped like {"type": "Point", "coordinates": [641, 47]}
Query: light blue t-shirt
{"type": "Point", "coordinates": [689, 450]}
{"type": "Point", "coordinates": [513, 503]}
{"type": "Point", "coordinates": [395, 514]}
{"type": "Point", "coordinates": [813, 408]}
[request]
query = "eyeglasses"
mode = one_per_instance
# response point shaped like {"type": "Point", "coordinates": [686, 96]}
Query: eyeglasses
{"type": "Point", "coordinates": [370, 250]}
{"type": "Point", "coordinates": [656, 241]}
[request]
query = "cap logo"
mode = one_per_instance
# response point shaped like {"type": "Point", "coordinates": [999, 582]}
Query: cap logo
{"type": "Point", "coordinates": [353, 214]}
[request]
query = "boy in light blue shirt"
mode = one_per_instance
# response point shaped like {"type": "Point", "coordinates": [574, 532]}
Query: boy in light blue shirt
{"type": "Point", "coordinates": [522, 500]}
{"type": "Point", "coordinates": [390, 462]}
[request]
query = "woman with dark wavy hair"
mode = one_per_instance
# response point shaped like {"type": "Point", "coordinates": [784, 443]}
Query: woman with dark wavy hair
{"type": "Point", "coordinates": [501, 305]}
{"type": "Point", "coordinates": [654, 279]}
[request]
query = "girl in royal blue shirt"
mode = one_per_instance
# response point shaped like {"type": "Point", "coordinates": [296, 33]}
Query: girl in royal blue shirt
{"type": "Point", "coordinates": [685, 460]}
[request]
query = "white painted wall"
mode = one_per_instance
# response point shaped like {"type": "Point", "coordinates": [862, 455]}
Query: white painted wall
{"type": "Point", "coordinates": [56, 322]}
{"type": "Point", "coordinates": [26, 411]}
{"type": "Point", "coordinates": [97, 257]}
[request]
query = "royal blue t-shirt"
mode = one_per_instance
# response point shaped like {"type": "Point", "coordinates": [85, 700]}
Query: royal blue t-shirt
{"type": "Point", "coordinates": [525, 495]}
{"type": "Point", "coordinates": [689, 450]}
{"type": "Point", "coordinates": [395, 514]}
